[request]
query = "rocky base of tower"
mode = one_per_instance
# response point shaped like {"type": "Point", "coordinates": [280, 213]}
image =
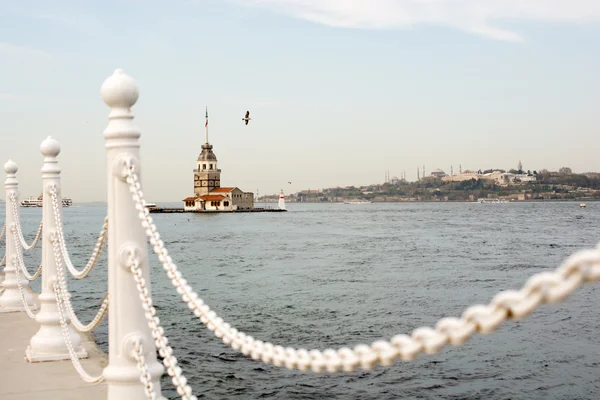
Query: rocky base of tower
{"type": "Point", "coordinates": [159, 210]}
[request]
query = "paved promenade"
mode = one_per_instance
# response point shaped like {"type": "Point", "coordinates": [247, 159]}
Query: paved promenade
{"type": "Point", "coordinates": [48, 380]}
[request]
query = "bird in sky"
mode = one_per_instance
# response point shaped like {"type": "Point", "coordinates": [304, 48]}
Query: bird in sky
{"type": "Point", "coordinates": [247, 117]}
{"type": "Point", "coordinates": [290, 183]}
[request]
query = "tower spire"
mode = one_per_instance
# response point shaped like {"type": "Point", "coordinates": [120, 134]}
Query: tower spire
{"type": "Point", "coordinates": [206, 124]}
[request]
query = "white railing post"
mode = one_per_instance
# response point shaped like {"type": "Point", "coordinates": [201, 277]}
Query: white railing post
{"type": "Point", "coordinates": [48, 344]}
{"type": "Point", "coordinates": [126, 320]}
{"type": "Point", "coordinates": [10, 300]}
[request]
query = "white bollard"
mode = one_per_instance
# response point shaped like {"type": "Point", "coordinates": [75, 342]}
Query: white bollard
{"type": "Point", "coordinates": [10, 300]}
{"type": "Point", "coordinates": [48, 344]}
{"type": "Point", "coordinates": [126, 321]}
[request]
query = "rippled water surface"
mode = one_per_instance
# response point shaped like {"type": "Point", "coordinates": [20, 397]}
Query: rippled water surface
{"type": "Point", "coordinates": [333, 275]}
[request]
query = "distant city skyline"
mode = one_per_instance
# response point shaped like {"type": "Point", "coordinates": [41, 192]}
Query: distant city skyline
{"type": "Point", "coordinates": [339, 92]}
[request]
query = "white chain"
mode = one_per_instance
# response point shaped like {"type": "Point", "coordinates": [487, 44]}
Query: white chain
{"type": "Point", "coordinates": [65, 255]}
{"type": "Point", "coordinates": [1, 237]}
{"type": "Point", "coordinates": [26, 273]}
{"type": "Point", "coordinates": [30, 313]}
{"type": "Point", "coordinates": [65, 331]}
{"type": "Point", "coordinates": [21, 262]}
{"type": "Point", "coordinates": [38, 235]}
{"type": "Point", "coordinates": [18, 266]}
{"type": "Point", "coordinates": [16, 236]}
{"type": "Point", "coordinates": [145, 376]}
{"type": "Point", "coordinates": [62, 282]}
{"type": "Point", "coordinates": [545, 287]}
{"type": "Point", "coordinates": [161, 341]}
{"type": "Point", "coordinates": [3, 261]}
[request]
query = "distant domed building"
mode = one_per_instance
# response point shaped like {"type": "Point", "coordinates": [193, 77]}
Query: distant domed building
{"type": "Point", "coordinates": [438, 173]}
{"type": "Point", "coordinates": [208, 193]}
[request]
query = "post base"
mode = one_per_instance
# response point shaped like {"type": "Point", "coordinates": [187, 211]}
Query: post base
{"type": "Point", "coordinates": [31, 357]}
{"type": "Point", "coordinates": [7, 309]}
{"type": "Point", "coordinates": [11, 301]}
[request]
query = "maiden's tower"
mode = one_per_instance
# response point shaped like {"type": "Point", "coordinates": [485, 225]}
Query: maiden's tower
{"type": "Point", "coordinates": [208, 193]}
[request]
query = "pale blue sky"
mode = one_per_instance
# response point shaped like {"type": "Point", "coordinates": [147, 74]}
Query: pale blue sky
{"type": "Point", "coordinates": [339, 91]}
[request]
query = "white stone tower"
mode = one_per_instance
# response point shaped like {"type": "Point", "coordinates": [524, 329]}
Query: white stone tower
{"type": "Point", "coordinates": [207, 175]}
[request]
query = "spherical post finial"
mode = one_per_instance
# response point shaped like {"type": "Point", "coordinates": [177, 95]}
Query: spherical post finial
{"type": "Point", "coordinates": [11, 167]}
{"type": "Point", "coordinates": [119, 90]}
{"type": "Point", "coordinates": [50, 148]}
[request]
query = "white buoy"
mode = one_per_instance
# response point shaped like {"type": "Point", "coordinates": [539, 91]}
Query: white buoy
{"type": "Point", "coordinates": [281, 204]}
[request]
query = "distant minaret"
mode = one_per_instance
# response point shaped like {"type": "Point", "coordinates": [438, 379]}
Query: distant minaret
{"type": "Point", "coordinates": [418, 176]}
{"type": "Point", "coordinates": [451, 170]}
{"type": "Point", "coordinates": [281, 204]}
{"type": "Point", "coordinates": [460, 169]}
{"type": "Point", "coordinates": [423, 170]}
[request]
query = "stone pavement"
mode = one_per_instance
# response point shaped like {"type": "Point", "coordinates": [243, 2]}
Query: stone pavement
{"type": "Point", "coordinates": [20, 380]}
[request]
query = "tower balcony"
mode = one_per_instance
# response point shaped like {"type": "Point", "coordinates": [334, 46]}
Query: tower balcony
{"type": "Point", "coordinates": [207, 170]}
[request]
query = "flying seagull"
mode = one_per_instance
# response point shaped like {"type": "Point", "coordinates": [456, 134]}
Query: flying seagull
{"type": "Point", "coordinates": [247, 117]}
{"type": "Point", "coordinates": [290, 183]}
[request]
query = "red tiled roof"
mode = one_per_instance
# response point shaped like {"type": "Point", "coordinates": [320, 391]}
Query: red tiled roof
{"type": "Point", "coordinates": [222, 190]}
{"type": "Point", "coordinates": [208, 197]}
{"type": "Point", "coordinates": [190, 199]}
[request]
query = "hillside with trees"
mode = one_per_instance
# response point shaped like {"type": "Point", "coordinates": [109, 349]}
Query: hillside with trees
{"type": "Point", "coordinates": [545, 185]}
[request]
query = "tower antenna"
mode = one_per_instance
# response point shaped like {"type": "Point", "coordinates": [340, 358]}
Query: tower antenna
{"type": "Point", "coordinates": [206, 124]}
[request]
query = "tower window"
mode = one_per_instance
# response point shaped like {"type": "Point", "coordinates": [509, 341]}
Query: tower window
{"type": "Point", "coordinates": [210, 166]}
{"type": "Point", "coordinates": [203, 166]}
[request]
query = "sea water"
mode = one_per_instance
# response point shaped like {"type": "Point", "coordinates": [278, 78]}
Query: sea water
{"type": "Point", "coordinates": [335, 275]}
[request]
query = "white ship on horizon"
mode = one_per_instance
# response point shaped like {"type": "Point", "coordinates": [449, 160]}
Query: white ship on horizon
{"type": "Point", "coordinates": [33, 201]}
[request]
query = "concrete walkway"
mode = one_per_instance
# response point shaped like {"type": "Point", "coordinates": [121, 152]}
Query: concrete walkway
{"type": "Point", "coordinates": [21, 380]}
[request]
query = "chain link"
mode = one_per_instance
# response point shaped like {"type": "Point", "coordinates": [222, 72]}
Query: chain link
{"type": "Point", "coordinates": [158, 333]}
{"type": "Point", "coordinates": [145, 376]}
{"type": "Point", "coordinates": [3, 261]}
{"type": "Point", "coordinates": [545, 287]}
{"type": "Point", "coordinates": [16, 236]}
{"type": "Point", "coordinates": [93, 260]}
{"type": "Point", "coordinates": [38, 235]}
{"type": "Point", "coordinates": [62, 282]}
{"type": "Point", "coordinates": [28, 276]}
{"type": "Point", "coordinates": [18, 267]}
{"type": "Point", "coordinates": [66, 335]}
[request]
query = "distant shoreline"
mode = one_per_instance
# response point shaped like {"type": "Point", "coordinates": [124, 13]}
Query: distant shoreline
{"type": "Point", "coordinates": [443, 201]}
{"type": "Point", "coordinates": [376, 201]}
